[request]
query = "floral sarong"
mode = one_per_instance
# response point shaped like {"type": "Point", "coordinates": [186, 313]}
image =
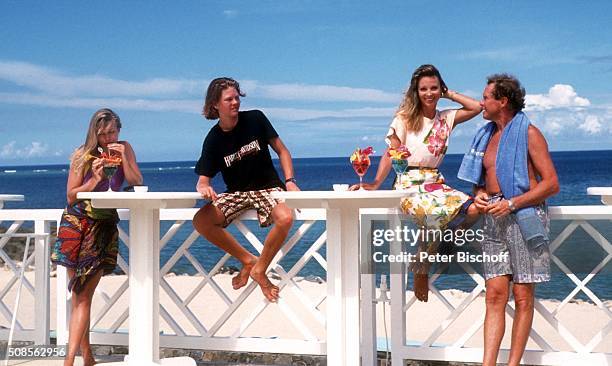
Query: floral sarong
{"type": "Point", "coordinates": [430, 202]}
{"type": "Point", "coordinates": [87, 241]}
{"type": "Point", "coordinates": [432, 205]}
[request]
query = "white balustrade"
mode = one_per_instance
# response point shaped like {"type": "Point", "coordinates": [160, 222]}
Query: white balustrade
{"type": "Point", "coordinates": [37, 328]}
{"type": "Point", "coordinates": [573, 352]}
{"type": "Point", "coordinates": [181, 315]}
{"type": "Point", "coordinates": [604, 192]}
{"type": "Point", "coordinates": [349, 300]}
{"type": "Point", "coordinates": [10, 197]}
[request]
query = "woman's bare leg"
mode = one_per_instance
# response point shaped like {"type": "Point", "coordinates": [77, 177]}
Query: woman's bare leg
{"type": "Point", "coordinates": [421, 270]}
{"type": "Point", "coordinates": [79, 320]}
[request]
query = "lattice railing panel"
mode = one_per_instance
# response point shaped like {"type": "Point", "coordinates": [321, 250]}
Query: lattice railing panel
{"type": "Point", "coordinates": [8, 289]}
{"type": "Point", "coordinates": [230, 322]}
{"type": "Point", "coordinates": [23, 229]}
{"type": "Point", "coordinates": [204, 305]}
{"type": "Point", "coordinates": [552, 340]}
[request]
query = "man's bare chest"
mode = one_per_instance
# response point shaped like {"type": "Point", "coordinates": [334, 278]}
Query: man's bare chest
{"type": "Point", "coordinates": [490, 155]}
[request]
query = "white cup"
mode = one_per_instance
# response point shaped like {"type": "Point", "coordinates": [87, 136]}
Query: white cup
{"type": "Point", "coordinates": [340, 187]}
{"type": "Point", "coordinates": [141, 188]}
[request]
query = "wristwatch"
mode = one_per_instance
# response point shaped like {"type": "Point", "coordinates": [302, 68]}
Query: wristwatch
{"type": "Point", "coordinates": [511, 205]}
{"type": "Point", "coordinates": [291, 180]}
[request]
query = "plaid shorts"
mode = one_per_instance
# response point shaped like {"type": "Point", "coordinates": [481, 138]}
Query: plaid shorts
{"type": "Point", "coordinates": [234, 204]}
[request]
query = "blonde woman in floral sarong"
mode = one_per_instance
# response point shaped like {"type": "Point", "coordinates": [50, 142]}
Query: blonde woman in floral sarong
{"type": "Point", "coordinates": [87, 238]}
{"type": "Point", "coordinates": [425, 131]}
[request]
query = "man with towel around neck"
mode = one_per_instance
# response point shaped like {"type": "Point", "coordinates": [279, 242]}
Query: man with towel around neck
{"type": "Point", "coordinates": [514, 174]}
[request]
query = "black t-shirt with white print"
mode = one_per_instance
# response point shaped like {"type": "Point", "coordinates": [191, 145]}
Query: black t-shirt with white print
{"type": "Point", "coordinates": [241, 155]}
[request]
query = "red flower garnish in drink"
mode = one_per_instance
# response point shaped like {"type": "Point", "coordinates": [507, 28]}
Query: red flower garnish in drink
{"type": "Point", "coordinates": [360, 160]}
{"type": "Point", "coordinates": [110, 159]}
{"type": "Point", "coordinates": [362, 154]}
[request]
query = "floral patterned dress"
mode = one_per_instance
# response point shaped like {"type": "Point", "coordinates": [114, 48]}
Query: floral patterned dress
{"type": "Point", "coordinates": [429, 201]}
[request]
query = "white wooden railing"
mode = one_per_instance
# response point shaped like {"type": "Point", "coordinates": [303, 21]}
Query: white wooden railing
{"type": "Point", "coordinates": [225, 331]}
{"type": "Point", "coordinates": [37, 288]}
{"type": "Point", "coordinates": [566, 348]}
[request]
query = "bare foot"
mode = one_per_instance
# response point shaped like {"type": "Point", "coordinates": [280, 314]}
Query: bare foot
{"type": "Point", "coordinates": [269, 290]}
{"type": "Point", "coordinates": [241, 279]}
{"type": "Point", "coordinates": [90, 362]}
{"type": "Point", "coordinates": [421, 286]}
{"type": "Point", "coordinates": [88, 359]}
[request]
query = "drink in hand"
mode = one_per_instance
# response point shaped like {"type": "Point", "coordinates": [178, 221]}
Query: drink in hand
{"type": "Point", "coordinates": [360, 160]}
{"type": "Point", "coordinates": [109, 170]}
{"type": "Point", "coordinates": [110, 165]}
{"type": "Point", "coordinates": [361, 166]}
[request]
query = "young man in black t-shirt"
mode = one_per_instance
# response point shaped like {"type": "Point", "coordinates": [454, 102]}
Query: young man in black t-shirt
{"type": "Point", "coordinates": [237, 146]}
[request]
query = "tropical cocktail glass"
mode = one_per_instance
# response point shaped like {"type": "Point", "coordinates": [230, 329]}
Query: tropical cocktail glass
{"type": "Point", "coordinates": [110, 166]}
{"type": "Point", "coordinates": [399, 166]}
{"type": "Point", "coordinates": [360, 161]}
{"type": "Point", "coordinates": [399, 161]}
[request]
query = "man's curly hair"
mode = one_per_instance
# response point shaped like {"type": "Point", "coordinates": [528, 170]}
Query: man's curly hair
{"type": "Point", "coordinates": [506, 85]}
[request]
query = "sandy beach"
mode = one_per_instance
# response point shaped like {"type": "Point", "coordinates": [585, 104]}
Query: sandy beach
{"type": "Point", "coordinates": [582, 319]}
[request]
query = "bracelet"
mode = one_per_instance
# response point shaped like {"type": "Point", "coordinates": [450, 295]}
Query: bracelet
{"type": "Point", "coordinates": [291, 180]}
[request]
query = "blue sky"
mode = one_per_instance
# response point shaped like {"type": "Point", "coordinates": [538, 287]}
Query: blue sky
{"type": "Point", "coordinates": [329, 75]}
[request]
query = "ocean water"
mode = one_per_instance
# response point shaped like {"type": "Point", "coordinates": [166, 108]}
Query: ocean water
{"type": "Point", "coordinates": [44, 186]}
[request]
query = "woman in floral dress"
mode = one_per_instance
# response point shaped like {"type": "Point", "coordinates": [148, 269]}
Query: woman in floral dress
{"type": "Point", "coordinates": [425, 131]}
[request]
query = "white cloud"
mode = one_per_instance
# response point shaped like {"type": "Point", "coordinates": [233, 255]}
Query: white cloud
{"type": "Point", "coordinates": [553, 125]}
{"type": "Point", "coordinates": [532, 54]}
{"type": "Point", "coordinates": [34, 149]}
{"type": "Point", "coordinates": [53, 82]}
{"type": "Point", "coordinates": [230, 14]}
{"type": "Point", "coordinates": [572, 123]}
{"type": "Point", "coordinates": [159, 105]}
{"type": "Point", "coordinates": [559, 125]}
{"type": "Point", "coordinates": [193, 106]}
{"type": "Point", "coordinates": [373, 138]}
{"type": "Point", "coordinates": [559, 95]}
{"type": "Point", "coordinates": [558, 112]}
{"type": "Point", "coordinates": [591, 125]}
{"type": "Point", "coordinates": [500, 54]}
{"type": "Point", "coordinates": [297, 114]}
{"type": "Point", "coordinates": [324, 93]}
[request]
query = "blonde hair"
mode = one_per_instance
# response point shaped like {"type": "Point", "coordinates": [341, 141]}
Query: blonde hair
{"type": "Point", "coordinates": [81, 157]}
{"type": "Point", "coordinates": [410, 109]}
